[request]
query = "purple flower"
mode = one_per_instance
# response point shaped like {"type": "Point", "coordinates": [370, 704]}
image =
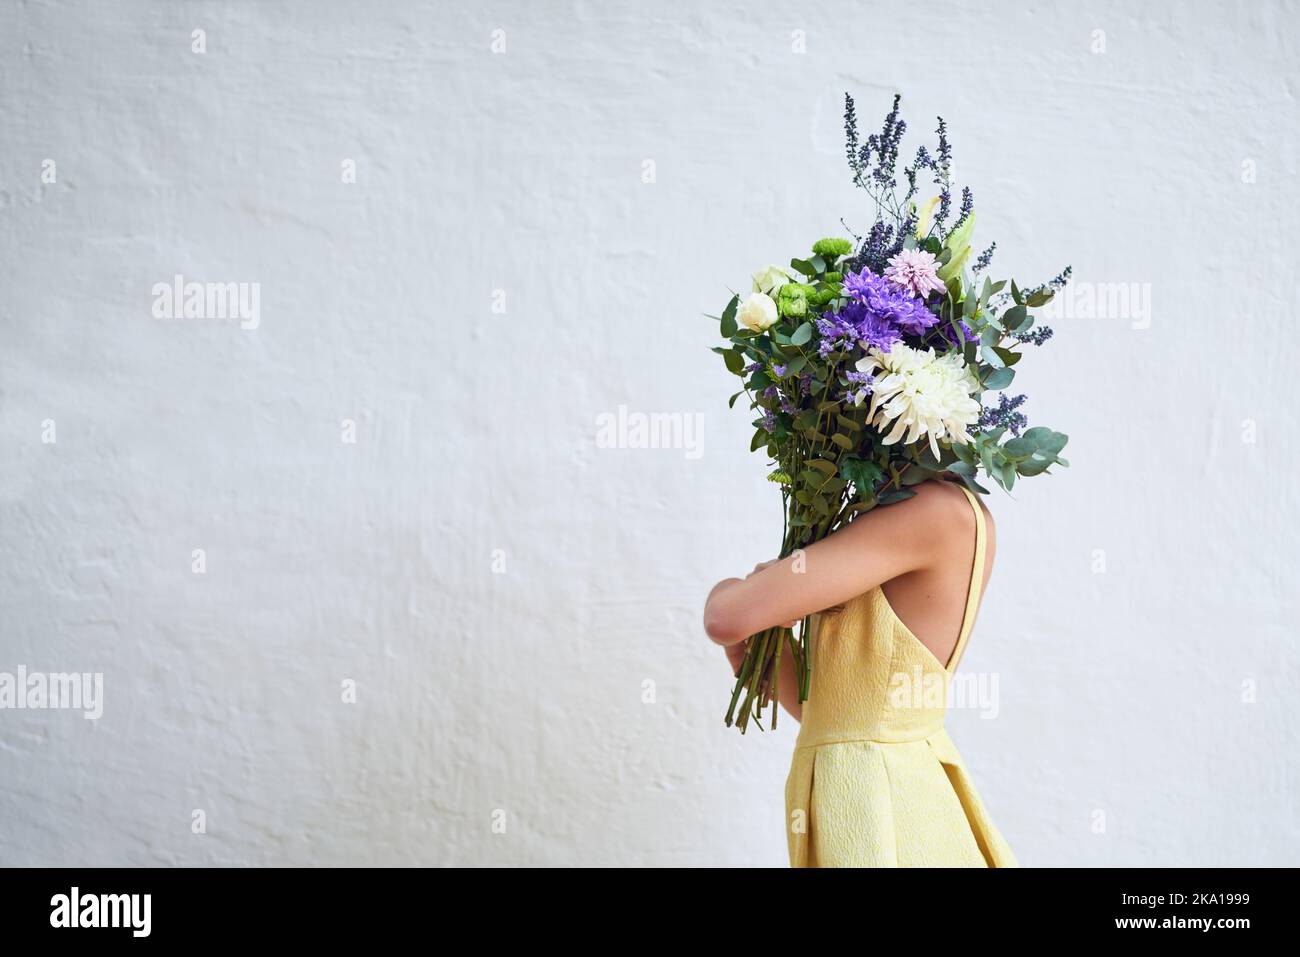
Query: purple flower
{"type": "Point", "coordinates": [854, 325]}
{"type": "Point", "coordinates": [917, 270]}
{"type": "Point", "coordinates": [873, 329]}
{"type": "Point", "coordinates": [949, 335]}
{"type": "Point", "coordinates": [878, 313]}
{"type": "Point", "coordinates": [882, 301]}
{"type": "Point", "coordinates": [1037, 336]}
{"type": "Point", "coordinates": [1005, 416]}
{"type": "Point", "coordinates": [863, 381]}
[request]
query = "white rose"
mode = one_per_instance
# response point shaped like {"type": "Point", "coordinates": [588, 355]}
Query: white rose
{"type": "Point", "coordinates": [770, 278]}
{"type": "Point", "coordinates": [758, 312]}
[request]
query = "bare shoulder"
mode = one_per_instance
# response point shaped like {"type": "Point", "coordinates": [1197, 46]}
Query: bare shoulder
{"type": "Point", "coordinates": [954, 521]}
{"type": "Point", "coordinates": [939, 511]}
{"type": "Point", "coordinates": [943, 501]}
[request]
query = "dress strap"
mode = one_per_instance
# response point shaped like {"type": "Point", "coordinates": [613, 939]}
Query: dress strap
{"type": "Point", "coordinates": [976, 581]}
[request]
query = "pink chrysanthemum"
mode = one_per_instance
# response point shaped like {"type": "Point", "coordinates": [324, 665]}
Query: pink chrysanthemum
{"type": "Point", "coordinates": [916, 270]}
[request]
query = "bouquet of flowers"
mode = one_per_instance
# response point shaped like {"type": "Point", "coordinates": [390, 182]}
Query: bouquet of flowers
{"type": "Point", "coordinates": [871, 364]}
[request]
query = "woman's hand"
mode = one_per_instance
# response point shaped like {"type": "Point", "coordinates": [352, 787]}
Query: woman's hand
{"type": "Point", "coordinates": [737, 648]}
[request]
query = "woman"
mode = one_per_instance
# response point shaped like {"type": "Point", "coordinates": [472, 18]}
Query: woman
{"type": "Point", "coordinates": [875, 780]}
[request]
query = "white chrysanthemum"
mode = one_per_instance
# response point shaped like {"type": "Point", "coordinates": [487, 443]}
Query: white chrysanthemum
{"type": "Point", "coordinates": [921, 394]}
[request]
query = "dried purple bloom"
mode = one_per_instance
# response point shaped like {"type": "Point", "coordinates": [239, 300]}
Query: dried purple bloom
{"type": "Point", "coordinates": [1054, 285]}
{"type": "Point", "coordinates": [1005, 415]}
{"type": "Point", "coordinates": [943, 165]}
{"type": "Point", "coordinates": [1063, 277]}
{"type": "Point", "coordinates": [967, 204]}
{"type": "Point", "coordinates": [861, 379]}
{"type": "Point", "coordinates": [886, 145]}
{"type": "Point", "coordinates": [945, 201]}
{"type": "Point", "coordinates": [877, 249]}
{"type": "Point", "coordinates": [1036, 337]}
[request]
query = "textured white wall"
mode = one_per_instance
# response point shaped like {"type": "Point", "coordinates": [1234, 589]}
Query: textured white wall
{"type": "Point", "coordinates": [521, 691]}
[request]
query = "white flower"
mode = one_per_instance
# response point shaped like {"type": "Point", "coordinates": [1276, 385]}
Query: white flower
{"type": "Point", "coordinates": [921, 394]}
{"type": "Point", "coordinates": [758, 312]}
{"type": "Point", "coordinates": [770, 278]}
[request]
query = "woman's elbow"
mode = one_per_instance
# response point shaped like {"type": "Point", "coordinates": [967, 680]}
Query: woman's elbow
{"type": "Point", "coordinates": [723, 625]}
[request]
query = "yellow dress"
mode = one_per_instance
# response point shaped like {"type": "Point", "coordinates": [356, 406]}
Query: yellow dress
{"type": "Point", "coordinates": [875, 780]}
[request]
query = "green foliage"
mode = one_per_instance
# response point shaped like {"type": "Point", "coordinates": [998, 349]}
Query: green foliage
{"type": "Point", "coordinates": [729, 318]}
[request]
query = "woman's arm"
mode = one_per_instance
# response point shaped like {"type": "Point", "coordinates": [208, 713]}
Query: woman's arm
{"type": "Point", "coordinates": [882, 544]}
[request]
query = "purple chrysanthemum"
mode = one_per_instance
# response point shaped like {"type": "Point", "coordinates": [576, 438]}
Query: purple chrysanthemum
{"type": "Point", "coordinates": [854, 325]}
{"type": "Point", "coordinates": [878, 313]}
{"type": "Point", "coordinates": [882, 301]}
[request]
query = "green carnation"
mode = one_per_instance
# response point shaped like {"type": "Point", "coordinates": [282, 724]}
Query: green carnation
{"type": "Point", "coordinates": [832, 248]}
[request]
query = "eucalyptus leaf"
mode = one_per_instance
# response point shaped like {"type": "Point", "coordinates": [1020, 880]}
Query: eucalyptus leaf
{"type": "Point", "coordinates": [999, 379]}
{"type": "Point", "coordinates": [729, 318]}
{"type": "Point", "coordinates": [898, 495]}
